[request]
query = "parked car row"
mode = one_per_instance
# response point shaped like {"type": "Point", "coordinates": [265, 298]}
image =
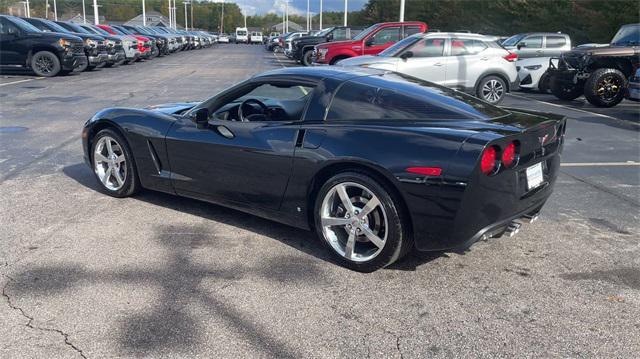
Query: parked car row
{"type": "Point", "coordinates": [49, 48]}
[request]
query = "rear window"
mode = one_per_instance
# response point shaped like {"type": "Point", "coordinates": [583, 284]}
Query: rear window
{"type": "Point", "coordinates": [400, 97]}
{"type": "Point", "coordinates": [556, 41]}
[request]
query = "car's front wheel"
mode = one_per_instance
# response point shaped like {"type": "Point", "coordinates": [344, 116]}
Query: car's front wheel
{"type": "Point", "coordinates": [361, 222]}
{"type": "Point", "coordinates": [307, 58]}
{"type": "Point", "coordinates": [113, 164]}
{"type": "Point", "coordinates": [492, 89]}
{"type": "Point", "coordinates": [45, 64]}
{"type": "Point", "coordinates": [564, 90]}
{"type": "Point", "coordinates": [605, 87]}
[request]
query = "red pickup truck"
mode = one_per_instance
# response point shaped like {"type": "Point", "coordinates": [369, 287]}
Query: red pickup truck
{"type": "Point", "coordinates": [369, 42]}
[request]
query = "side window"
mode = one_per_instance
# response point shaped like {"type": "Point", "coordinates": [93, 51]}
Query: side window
{"type": "Point", "coordinates": [386, 35]}
{"type": "Point", "coordinates": [339, 34]}
{"type": "Point", "coordinates": [556, 41]}
{"type": "Point", "coordinates": [533, 42]}
{"type": "Point", "coordinates": [410, 30]}
{"type": "Point", "coordinates": [462, 47]}
{"type": "Point", "coordinates": [359, 101]}
{"type": "Point", "coordinates": [428, 48]}
{"type": "Point", "coordinates": [7, 28]}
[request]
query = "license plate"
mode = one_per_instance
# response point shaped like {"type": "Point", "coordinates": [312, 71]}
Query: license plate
{"type": "Point", "coordinates": [534, 176]}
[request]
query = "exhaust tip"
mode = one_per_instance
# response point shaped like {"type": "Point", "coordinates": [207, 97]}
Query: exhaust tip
{"type": "Point", "coordinates": [530, 218]}
{"type": "Point", "coordinates": [512, 229]}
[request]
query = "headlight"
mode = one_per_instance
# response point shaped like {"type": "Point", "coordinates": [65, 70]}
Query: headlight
{"type": "Point", "coordinates": [64, 43]}
{"type": "Point", "coordinates": [110, 43]}
{"type": "Point", "coordinates": [89, 42]}
{"type": "Point", "coordinates": [533, 67]}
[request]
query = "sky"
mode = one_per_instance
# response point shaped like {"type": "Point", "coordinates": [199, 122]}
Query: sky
{"type": "Point", "coordinates": [259, 7]}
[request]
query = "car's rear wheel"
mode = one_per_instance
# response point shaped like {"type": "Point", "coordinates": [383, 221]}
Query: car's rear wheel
{"type": "Point", "coordinates": [307, 58]}
{"type": "Point", "coordinates": [492, 89]}
{"type": "Point", "coordinates": [543, 83]}
{"type": "Point", "coordinates": [113, 164]}
{"type": "Point", "coordinates": [361, 222]}
{"type": "Point", "coordinates": [45, 64]}
{"type": "Point", "coordinates": [605, 87]}
{"type": "Point", "coordinates": [564, 90]}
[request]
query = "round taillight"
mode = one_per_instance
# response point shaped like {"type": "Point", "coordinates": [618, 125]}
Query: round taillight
{"type": "Point", "coordinates": [488, 160]}
{"type": "Point", "coordinates": [509, 155]}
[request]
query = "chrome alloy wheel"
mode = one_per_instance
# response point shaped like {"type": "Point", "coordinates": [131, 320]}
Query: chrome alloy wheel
{"type": "Point", "coordinates": [492, 90]}
{"type": "Point", "coordinates": [109, 163]}
{"type": "Point", "coordinates": [354, 222]}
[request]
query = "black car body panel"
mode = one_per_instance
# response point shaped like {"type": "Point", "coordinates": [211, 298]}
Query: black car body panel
{"type": "Point", "coordinates": [307, 43]}
{"type": "Point", "coordinates": [274, 169]}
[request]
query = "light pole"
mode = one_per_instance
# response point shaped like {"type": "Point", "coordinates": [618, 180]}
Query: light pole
{"type": "Point", "coordinates": [28, 9]}
{"type": "Point", "coordinates": [144, 14]}
{"type": "Point", "coordinates": [191, 2]}
{"type": "Point", "coordinates": [345, 12]}
{"type": "Point", "coordinates": [222, 19]}
{"type": "Point", "coordinates": [55, 11]}
{"type": "Point", "coordinates": [308, 13]}
{"type": "Point", "coordinates": [84, 13]}
{"type": "Point", "coordinates": [286, 16]}
{"type": "Point", "coordinates": [170, 14]}
{"type": "Point", "coordinates": [185, 15]}
{"type": "Point", "coordinates": [320, 14]}
{"type": "Point", "coordinates": [95, 12]}
{"type": "Point", "coordinates": [401, 10]}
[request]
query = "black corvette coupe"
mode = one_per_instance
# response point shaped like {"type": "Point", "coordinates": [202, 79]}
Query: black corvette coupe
{"type": "Point", "coordinates": [376, 162]}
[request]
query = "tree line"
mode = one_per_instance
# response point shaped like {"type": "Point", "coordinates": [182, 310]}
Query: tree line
{"type": "Point", "coordinates": [584, 20]}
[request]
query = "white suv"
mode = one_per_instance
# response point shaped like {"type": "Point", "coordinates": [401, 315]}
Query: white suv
{"type": "Point", "coordinates": [473, 63]}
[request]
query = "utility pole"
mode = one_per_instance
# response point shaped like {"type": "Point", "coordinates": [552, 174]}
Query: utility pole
{"type": "Point", "coordinates": [185, 16]}
{"type": "Point", "coordinates": [144, 14]}
{"type": "Point", "coordinates": [345, 11]}
{"type": "Point", "coordinates": [401, 10]}
{"type": "Point", "coordinates": [84, 13]}
{"type": "Point", "coordinates": [95, 12]}
{"type": "Point", "coordinates": [320, 14]}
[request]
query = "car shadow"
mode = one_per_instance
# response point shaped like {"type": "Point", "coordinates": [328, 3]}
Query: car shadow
{"type": "Point", "coordinates": [302, 240]}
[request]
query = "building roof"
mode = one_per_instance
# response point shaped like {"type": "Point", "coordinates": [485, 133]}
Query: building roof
{"type": "Point", "coordinates": [279, 27]}
{"type": "Point", "coordinates": [78, 19]}
{"type": "Point", "coordinates": [154, 18]}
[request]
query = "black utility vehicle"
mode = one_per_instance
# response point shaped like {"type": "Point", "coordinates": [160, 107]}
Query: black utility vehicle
{"type": "Point", "coordinates": [48, 54]}
{"type": "Point", "coordinates": [94, 46]}
{"type": "Point", "coordinates": [600, 73]}
{"type": "Point", "coordinates": [303, 47]}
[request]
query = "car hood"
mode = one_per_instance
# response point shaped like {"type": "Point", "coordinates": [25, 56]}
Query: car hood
{"type": "Point", "coordinates": [54, 36]}
{"type": "Point", "coordinates": [173, 108]}
{"type": "Point", "coordinates": [337, 43]}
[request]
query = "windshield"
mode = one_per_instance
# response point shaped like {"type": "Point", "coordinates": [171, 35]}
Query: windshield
{"type": "Point", "coordinates": [324, 32]}
{"type": "Point", "coordinates": [75, 28]}
{"type": "Point", "coordinates": [400, 45]}
{"type": "Point", "coordinates": [513, 40]}
{"type": "Point", "coordinates": [55, 27]}
{"type": "Point", "coordinates": [98, 30]}
{"type": "Point", "coordinates": [627, 35]}
{"type": "Point", "coordinates": [24, 25]}
{"type": "Point", "coordinates": [365, 32]}
{"type": "Point", "coordinates": [241, 33]}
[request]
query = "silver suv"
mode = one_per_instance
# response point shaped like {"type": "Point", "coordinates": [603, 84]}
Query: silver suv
{"type": "Point", "coordinates": [538, 44]}
{"type": "Point", "coordinates": [473, 63]}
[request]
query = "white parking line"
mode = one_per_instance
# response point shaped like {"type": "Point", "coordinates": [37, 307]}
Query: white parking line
{"type": "Point", "coordinates": [19, 81]}
{"type": "Point", "coordinates": [277, 58]}
{"type": "Point", "coordinates": [564, 107]}
{"type": "Point", "coordinates": [599, 164]}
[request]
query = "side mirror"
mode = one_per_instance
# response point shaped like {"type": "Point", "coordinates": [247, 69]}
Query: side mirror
{"type": "Point", "coordinates": [406, 55]}
{"type": "Point", "coordinates": [521, 45]}
{"type": "Point", "coordinates": [201, 117]}
{"type": "Point", "coordinates": [329, 37]}
{"type": "Point", "coordinates": [369, 42]}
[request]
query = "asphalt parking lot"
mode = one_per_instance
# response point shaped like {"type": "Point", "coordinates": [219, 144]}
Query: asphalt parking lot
{"type": "Point", "coordinates": [87, 275]}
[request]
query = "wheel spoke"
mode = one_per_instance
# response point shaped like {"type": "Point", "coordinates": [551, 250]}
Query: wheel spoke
{"type": "Point", "coordinates": [332, 221]}
{"type": "Point", "coordinates": [109, 148]}
{"type": "Point", "coordinates": [120, 159]}
{"type": "Point", "coordinates": [351, 242]}
{"type": "Point", "coordinates": [370, 206]}
{"type": "Point", "coordinates": [107, 175]}
{"type": "Point", "coordinates": [100, 157]}
{"type": "Point", "coordinates": [344, 197]}
{"type": "Point", "coordinates": [118, 177]}
{"type": "Point", "coordinates": [377, 241]}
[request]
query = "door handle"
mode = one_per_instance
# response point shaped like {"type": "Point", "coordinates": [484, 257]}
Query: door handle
{"type": "Point", "coordinates": [539, 51]}
{"type": "Point", "coordinates": [484, 58]}
{"type": "Point", "coordinates": [225, 132]}
{"type": "Point", "coordinates": [437, 64]}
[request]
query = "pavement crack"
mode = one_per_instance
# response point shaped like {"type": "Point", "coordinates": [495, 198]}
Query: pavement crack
{"type": "Point", "coordinates": [604, 189]}
{"type": "Point", "coordinates": [398, 347]}
{"type": "Point", "coordinates": [30, 319]}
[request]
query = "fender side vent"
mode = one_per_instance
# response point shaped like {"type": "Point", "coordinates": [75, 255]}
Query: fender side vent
{"type": "Point", "coordinates": [154, 157]}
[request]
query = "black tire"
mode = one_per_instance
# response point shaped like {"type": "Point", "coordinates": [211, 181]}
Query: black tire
{"type": "Point", "coordinates": [398, 237]}
{"type": "Point", "coordinates": [277, 49]}
{"type": "Point", "coordinates": [605, 87]}
{"type": "Point", "coordinates": [307, 58]}
{"type": "Point", "coordinates": [543, 83]}
{"type": "Point", "coordinates": [131, 184]}
{"type": "Point", "coordinates": [120, 63]}
{"type": "Point", "coordinates": [154, 52]}
{"type": "Point", "coordinates": [45, 64]}
{"type": "Point", "coordinates": [492, 89]}
{"type": "Point", "coordinates": [564, 90]}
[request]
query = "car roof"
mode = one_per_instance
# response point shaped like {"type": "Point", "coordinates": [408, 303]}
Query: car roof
{"type": "Point", "coordinates": [343, 73]}
{"type": "Point", "coordinates": [458, 34]}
